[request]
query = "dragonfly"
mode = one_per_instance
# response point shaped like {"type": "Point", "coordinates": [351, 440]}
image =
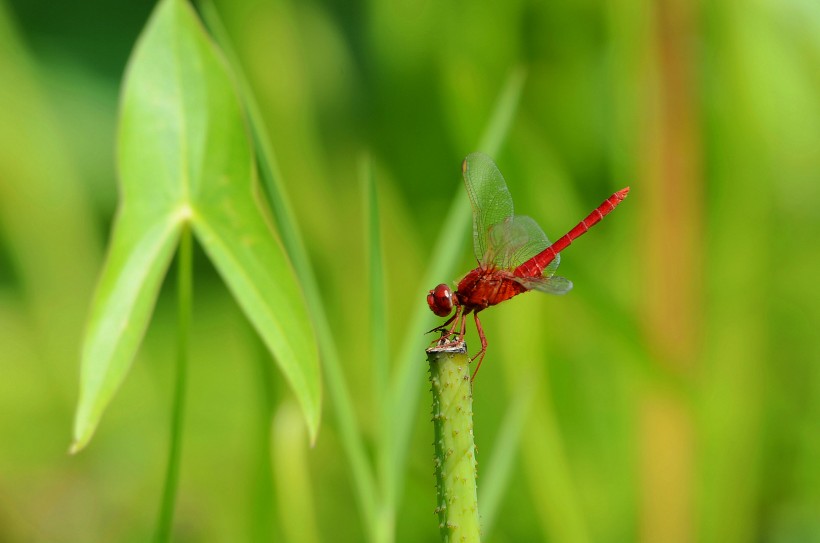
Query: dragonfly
{"type": "Point", "coordinates": [513, 253]}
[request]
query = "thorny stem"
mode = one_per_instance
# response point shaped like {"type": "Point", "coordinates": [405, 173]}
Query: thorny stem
{"type": "Point", "coordinates": [455, 460]}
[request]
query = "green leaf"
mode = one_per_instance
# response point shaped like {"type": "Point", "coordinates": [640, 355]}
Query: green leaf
{"type": "Point", "coordinates": [185, 156]}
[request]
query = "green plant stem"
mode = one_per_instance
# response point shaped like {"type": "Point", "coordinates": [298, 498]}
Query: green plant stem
{"type": "Point", "coordinates": [184, 299]}
{"type": "Point", "coordinates": [455, 461]}
{"type": "Point", "coordinates": [260, 516]}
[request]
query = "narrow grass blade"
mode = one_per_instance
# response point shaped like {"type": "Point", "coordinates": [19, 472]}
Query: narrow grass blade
{"type": "Point", "coordinates": [185, 157]}
{"type": "Point", "coordinates": [498, 469]}
{"type": "Point", "coordinates": [545, 461]}
{"type": "Point", "coordinates": [553, 491]}
{"type": "Point", "coordinates": [378, 305]}
{"type": "Point", "coordinates": [504, 112]}
{"type": "Point", "coordinates": [385, 529]}
{"type": "Point", "coordinates": [287, 226]}
{"type": "Point", "coordinates": [406, 386]}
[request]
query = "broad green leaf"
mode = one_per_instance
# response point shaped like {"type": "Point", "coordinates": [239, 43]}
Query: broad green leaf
{"type": "Point", "coordinates": [185, 156]}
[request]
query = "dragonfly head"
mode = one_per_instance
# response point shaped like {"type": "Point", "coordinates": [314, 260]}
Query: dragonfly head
{"type": "Point", "coordinates": [440, 300]}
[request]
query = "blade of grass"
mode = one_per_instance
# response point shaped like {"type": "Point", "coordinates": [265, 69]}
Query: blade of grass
{"type": "Point", "coordinates": [543, 452]}
{"type": "Point", "coordinates": [288, 229]}
{"type": "Point", "coordinates": [385, 529]}
{"type": "Point", "coordinates": [378, 307]}
{"type": "Point", "coordinates": [502, 116]}
{"type": "Point", "coordinates": [554, 494]}
{"type": "Point", "coordinates": [406, 388]}
{"type": "Point", "coordinates": [184, 301]}
{"type": "Point", "coordinates": [499, 467]}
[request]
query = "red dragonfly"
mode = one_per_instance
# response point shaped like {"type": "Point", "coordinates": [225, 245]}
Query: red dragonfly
{"type": "Point", "coordinates": [513, 253]}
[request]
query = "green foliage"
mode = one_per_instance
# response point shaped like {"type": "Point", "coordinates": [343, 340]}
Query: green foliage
{"type": "Point", "coordinates": [673, 393]}
{"type": "Point", "coordinates": [185, 158]}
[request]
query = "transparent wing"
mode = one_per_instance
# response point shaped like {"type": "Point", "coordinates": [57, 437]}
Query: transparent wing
{"type": "Point", "coordinates": [550, 285]}
{"type": "Point", "coordinates": [489, 196]}
{"type": "Point", "coordinates": [514, 241]}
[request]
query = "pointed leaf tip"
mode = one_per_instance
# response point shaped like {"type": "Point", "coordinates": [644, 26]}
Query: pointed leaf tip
{"type": "Point", "coordinates": [184, 157]}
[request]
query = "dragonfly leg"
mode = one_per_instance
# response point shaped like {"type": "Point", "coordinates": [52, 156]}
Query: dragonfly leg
{"type": "Point", "coordinates": [441, 327]}
{"type": "Point", "coordinates": [459, 320]}
{"type": "Point", "coordinates": [483, 350]}
{"type": "Point", "coordinates": [456, 319]}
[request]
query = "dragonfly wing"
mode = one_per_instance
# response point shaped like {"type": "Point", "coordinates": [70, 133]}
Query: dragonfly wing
{"type": "Point", "coordinates": [489, 197]}
{"type": "Point", "coordinates": [550, 285]}
{"type": "Point", "coordinates": [516, 240]}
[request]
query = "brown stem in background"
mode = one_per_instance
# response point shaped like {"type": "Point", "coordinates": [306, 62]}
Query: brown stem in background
{"type": "Point", "coordinates": [673, 221]}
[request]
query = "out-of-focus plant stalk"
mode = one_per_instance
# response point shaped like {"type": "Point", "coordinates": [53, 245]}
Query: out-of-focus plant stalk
{"type": "Point", "coordinates": [185, 301]}
{"type": "Point", "coordinates": [455, 461]}
{"type": "Point", "coordinates": [673, 188]}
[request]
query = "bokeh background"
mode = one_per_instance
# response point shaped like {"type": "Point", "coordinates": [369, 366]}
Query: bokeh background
{"type": "Point", "coordinates": [673, 396]}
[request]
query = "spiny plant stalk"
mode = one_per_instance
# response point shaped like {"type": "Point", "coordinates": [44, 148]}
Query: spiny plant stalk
{"type": "Point", "coordinates": [455, 461]}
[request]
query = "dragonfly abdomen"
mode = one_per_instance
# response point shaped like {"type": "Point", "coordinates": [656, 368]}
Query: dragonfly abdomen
{"type": "Point", "coordinates": [535, 266]}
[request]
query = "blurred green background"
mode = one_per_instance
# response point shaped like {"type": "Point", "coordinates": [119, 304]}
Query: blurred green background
{"type": "Point", "coordinates": [673, 396]}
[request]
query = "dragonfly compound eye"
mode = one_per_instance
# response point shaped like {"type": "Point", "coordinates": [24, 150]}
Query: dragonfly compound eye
{"type": "Point", "coordinates": [440, 300]}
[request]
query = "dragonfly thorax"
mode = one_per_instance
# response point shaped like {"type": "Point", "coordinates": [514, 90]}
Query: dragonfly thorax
{"type": "Point", "coordinates": [440, 300]}
{"type": "Point", "coordinates": [482, 288]}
